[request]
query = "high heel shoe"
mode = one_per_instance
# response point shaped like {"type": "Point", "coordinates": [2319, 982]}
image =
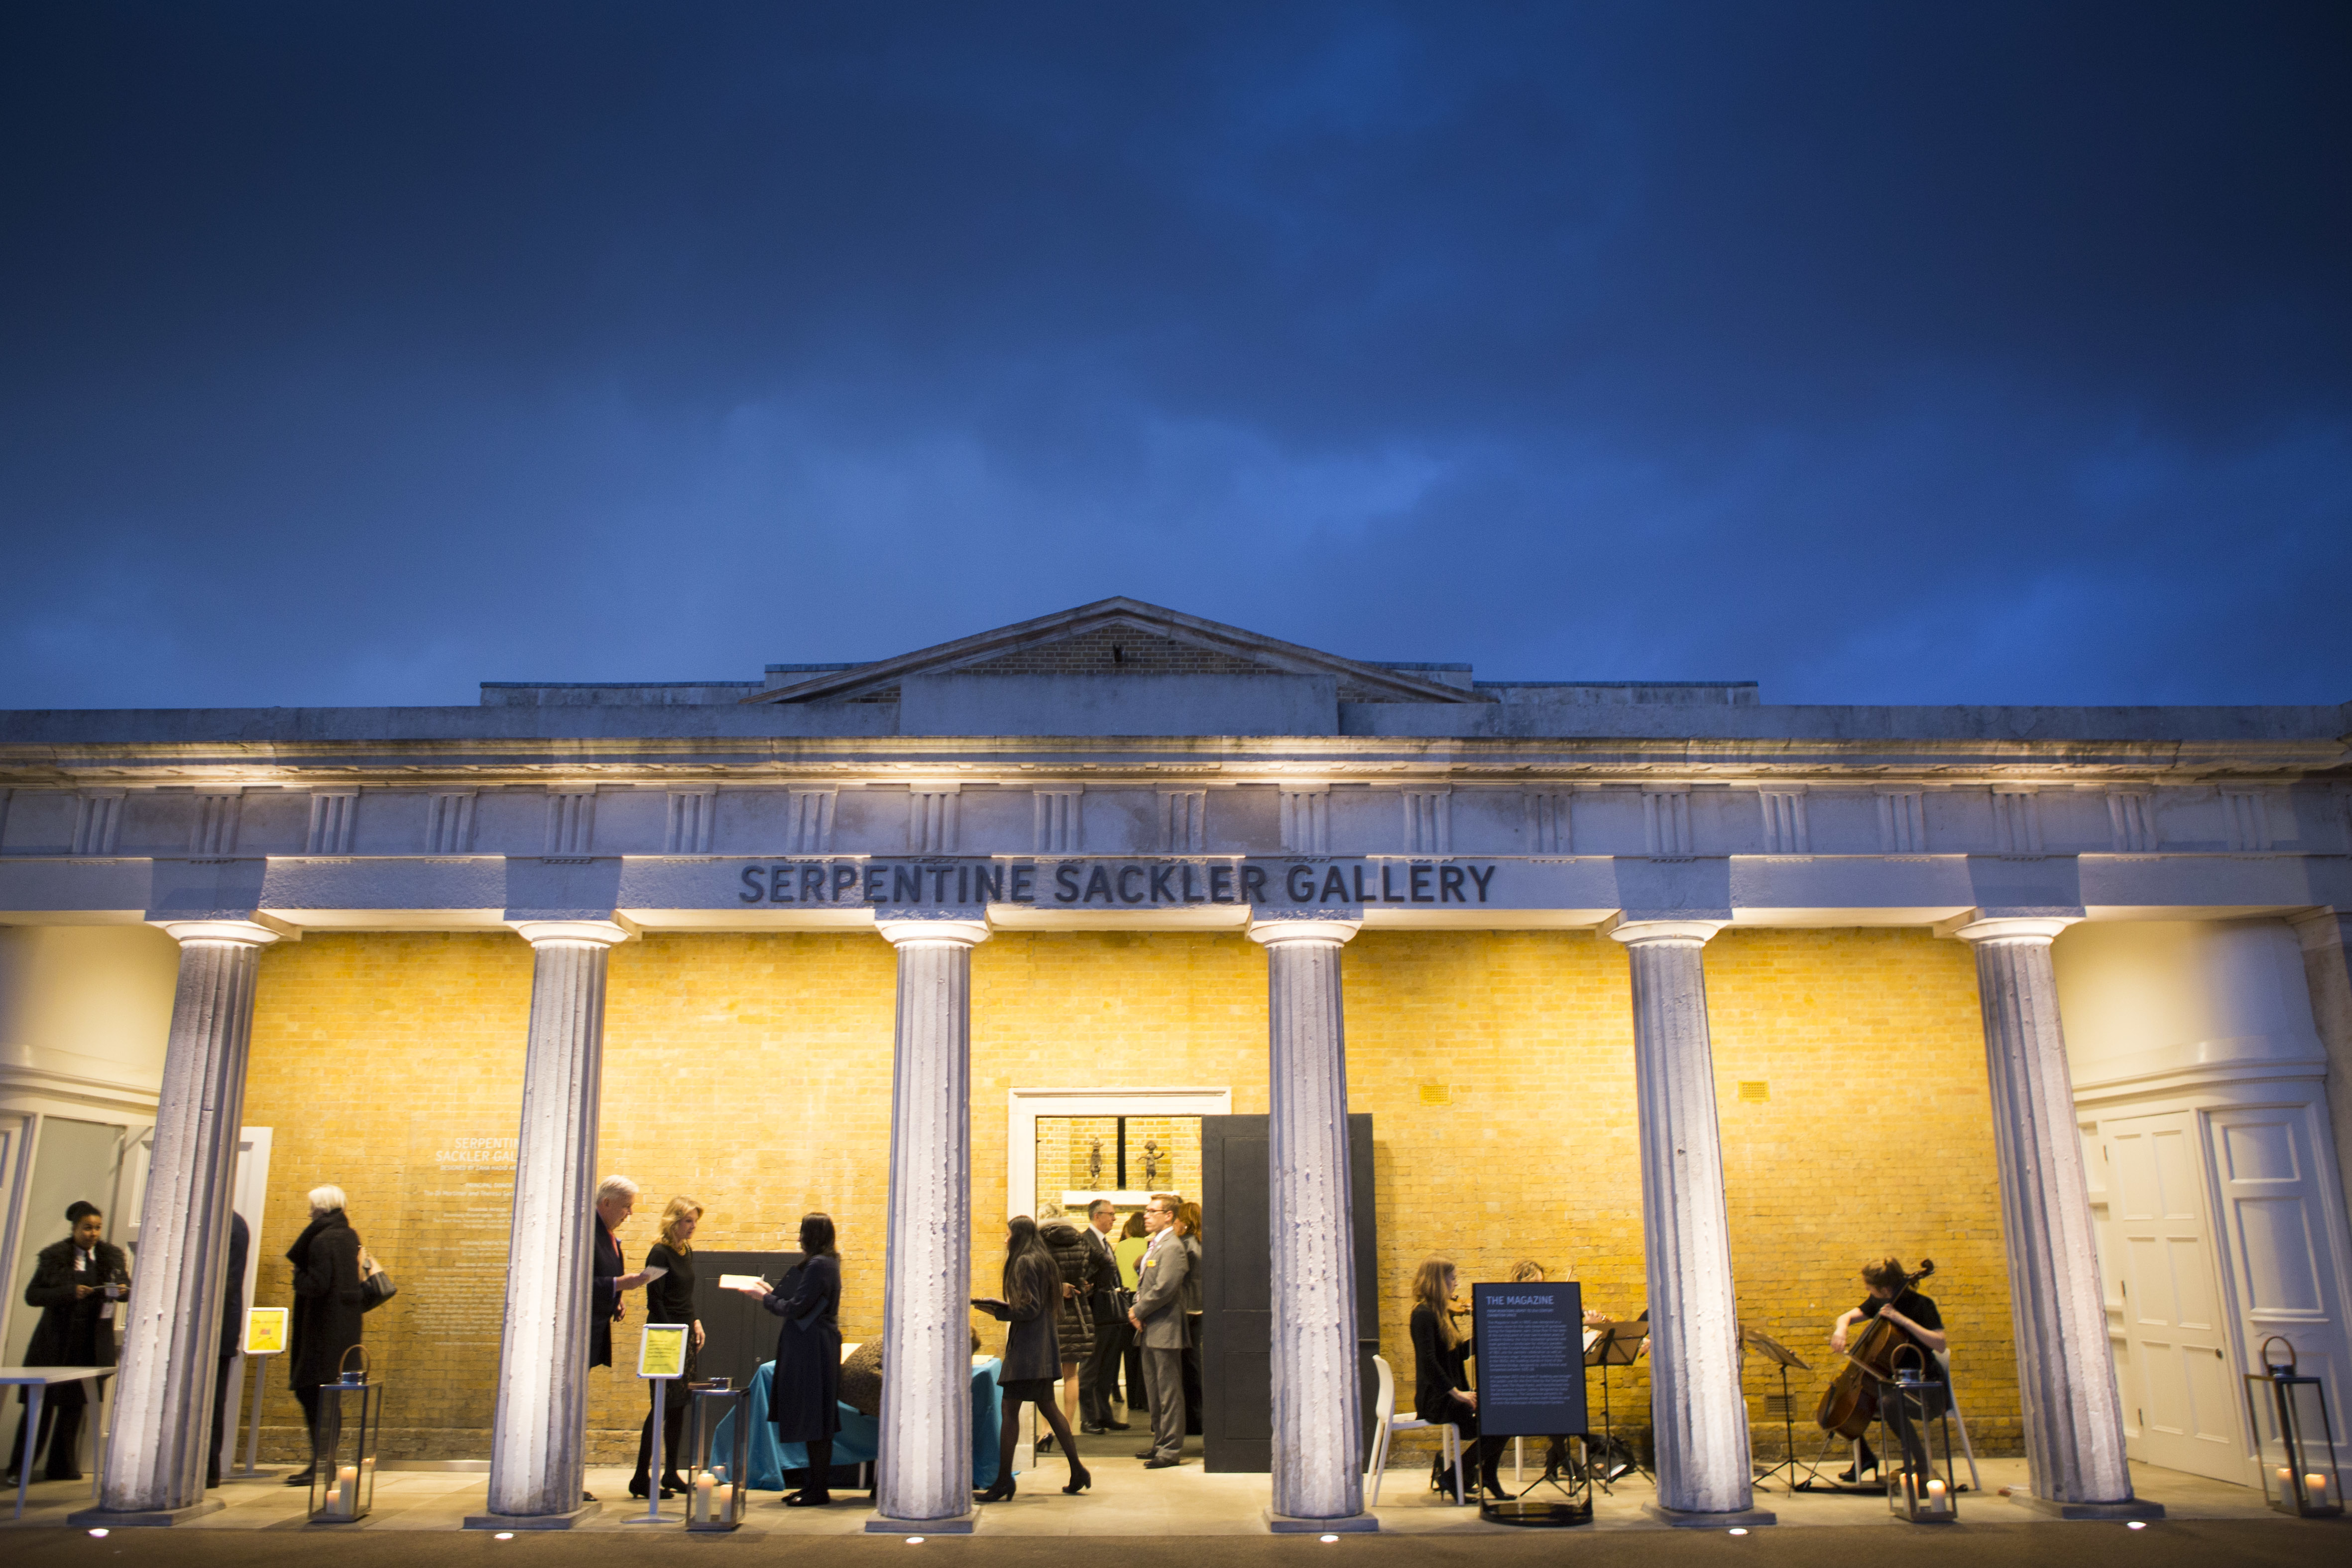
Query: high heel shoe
{"type": "Point", "coordinates": [808, 1497]}
{"type": "Point", "coordinates": [1001, 1492]}
{"type": "Point", "coordinates": [1080, 1479]}
{"type": "Point", "coordinates": [1044, 1445]}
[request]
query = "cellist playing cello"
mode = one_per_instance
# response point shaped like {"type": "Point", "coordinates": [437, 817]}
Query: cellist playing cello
{"type": "Point", "coordinates": [1893, 1299]}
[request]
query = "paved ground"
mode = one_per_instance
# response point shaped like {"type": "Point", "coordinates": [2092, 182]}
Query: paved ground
{"type": "Point", "coordinates": [1162, 1517]}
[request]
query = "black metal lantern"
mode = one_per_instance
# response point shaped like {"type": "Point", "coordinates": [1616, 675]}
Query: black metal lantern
{"type": "Point", "coordinates": [1916, 1412]}
{"type": "Point", "coordinates": [342, 1459]}
{"type": "Point", "coordinates": [2293, 1436]}
{"type": "Point", "coordinates": [718, 1493]}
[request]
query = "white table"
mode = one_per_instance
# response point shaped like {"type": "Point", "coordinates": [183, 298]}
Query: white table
{"type": "Point", "coordinates": [37, 1380]}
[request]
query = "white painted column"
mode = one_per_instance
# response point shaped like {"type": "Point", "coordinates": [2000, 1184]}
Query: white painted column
{"type": "Point", "coordinates": [1317, 1400]}
{"type": "Point", "coordinates": [2065, 1377]}
{"type": "Point", "coordinates": [155, 1450]}
{"type": "Point", "coordinates": [537, 1436]}
{"type": "Point", "coordinates": [1698, 1417]}
{"type": "Point", "coordinates": [924, 1481]}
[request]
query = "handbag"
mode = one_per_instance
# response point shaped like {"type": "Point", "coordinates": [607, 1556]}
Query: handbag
{"type": "Point", "coordinates": [377, 1286]}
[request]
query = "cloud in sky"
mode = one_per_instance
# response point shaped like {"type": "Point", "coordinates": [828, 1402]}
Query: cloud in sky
{"type": "Point", "coordinates": [1879, 355]}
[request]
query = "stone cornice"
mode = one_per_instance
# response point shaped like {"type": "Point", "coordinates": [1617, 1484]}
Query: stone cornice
{"type": "Point", "coordinates": [473, 763]}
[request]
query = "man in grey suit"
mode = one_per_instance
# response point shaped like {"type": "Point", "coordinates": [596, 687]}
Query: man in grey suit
{"type": "Point", "coordinates": [1159, 1320]}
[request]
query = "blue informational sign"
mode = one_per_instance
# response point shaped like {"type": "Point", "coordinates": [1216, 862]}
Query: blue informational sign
{"type": "Point", "coordinates": [1530, 1341]}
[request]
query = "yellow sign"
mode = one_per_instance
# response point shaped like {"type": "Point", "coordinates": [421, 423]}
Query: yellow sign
{"type": "Point", "coordinates": [265, 1331]}
{"type": "Point", "coordinates": [663, 1351]}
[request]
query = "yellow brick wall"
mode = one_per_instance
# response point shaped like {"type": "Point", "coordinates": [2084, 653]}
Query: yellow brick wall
{"type": "Point", "coordinates": [1497, 1066]}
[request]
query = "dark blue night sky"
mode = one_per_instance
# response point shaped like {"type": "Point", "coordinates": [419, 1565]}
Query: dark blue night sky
{"type": "Point", "coordinates": [1882, 352]}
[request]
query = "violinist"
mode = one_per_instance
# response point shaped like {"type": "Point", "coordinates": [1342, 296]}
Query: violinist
{"type": "Point", "coordinates": [1893, 1299]}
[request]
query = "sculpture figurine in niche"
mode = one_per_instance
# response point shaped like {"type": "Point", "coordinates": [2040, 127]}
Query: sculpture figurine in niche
{"type": "Point", "coordinates": [1150, 1162]}
{"type": "Point", "coordinates": [1093, 1164]}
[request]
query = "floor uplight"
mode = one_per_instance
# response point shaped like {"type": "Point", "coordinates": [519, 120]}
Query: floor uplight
{"type": "Point", "coordinates": [914, 1541]}
{"type": "Point", "coordinates": [2136, 1524]}
{"type": "Point", "coordinates": [1739, 1530]}
{"type": "Point", "coordinates": [97, 1535]}
{"type": "Point", "coordinates": [1327, 1539]}
{"type": "Point", "coordinates": [503, 1535]}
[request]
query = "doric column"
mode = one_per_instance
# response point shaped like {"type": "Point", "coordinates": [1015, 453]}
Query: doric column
{"type": "Point", "coordinates": [2065, 1375]}
{"type": "Point", "coordinates": [154, 1460]}
{"type": "Point", "coordinates": [1698, 1417]}
{"type": "Point", "coordinates": [925, 1479]}
{"type": "Point", "coordinates": [537, 1436]}
{"type": "Point", "coordinates": [1317, 1400]}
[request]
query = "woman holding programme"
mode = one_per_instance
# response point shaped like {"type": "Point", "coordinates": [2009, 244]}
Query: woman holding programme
{"type": "Point", "coordinates": [1442, 1393]}
{"type": "Point", "coordinates": [1032, 1355]}
{"type": "Point", "coordinates": [69, 1285]}
{"type": "Point", "coordinates": [669, 1299]}
{"type": "Point", "coordinates": [804, 1401]}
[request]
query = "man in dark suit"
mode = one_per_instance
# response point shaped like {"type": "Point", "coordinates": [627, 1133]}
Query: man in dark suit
{"type": "Point", "coordinates": [616, 1200]}
{"type": "Point", "coordinates": [1113, 1333]}
{"type": "Point", "coordinates": [232, 1331]}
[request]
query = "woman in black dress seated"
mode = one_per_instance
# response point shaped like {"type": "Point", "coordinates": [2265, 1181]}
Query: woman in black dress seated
{"type": "Point", "coordinates": [804, 1400]}
{"type": "Point", "coordinates": [671, 1300]}
{"type": "Point", "coordinates": [1441, 1392]}
{"type": "Point", "coordinates": [1032, 1353]}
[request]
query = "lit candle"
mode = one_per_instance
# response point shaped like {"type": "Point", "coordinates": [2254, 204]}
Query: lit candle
{"type": "Point", "coordinates": [703, 1485]}
{"type": "Point", "coordinates": [723, 1501]}
{"type": "Point", "coordinates": [347, 1488]}
{"type": "Point", "coordinates": [2287, 1477]}
{"type": "Point", "coordinates": [2316, 1486]}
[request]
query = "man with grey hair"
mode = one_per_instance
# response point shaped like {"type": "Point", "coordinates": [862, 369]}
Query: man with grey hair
{"type": "Point", "coordinates": [616, 1199]}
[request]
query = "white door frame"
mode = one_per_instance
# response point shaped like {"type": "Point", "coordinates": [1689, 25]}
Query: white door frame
{"type": "Point", "coordinates": [1026, 1105]}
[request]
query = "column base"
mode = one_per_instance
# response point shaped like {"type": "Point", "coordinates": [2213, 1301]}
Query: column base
{"type": "Point", "coordinates": [1744, 1519]}
{"type": "Point", "coordinates": [1290, 1524]}
{"type": "Point", "coordinates": [135, 1519]}
{"type": "Point", "coordinates": [531, 1521]}
{"type": "Point", "coordinates": [955, 1524]}
{"type": "Point", "coordinates": [2138, 1508]}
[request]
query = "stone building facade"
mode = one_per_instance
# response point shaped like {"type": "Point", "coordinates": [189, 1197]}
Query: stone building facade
{"type": "Point", "coordinates": [1699, 1001]}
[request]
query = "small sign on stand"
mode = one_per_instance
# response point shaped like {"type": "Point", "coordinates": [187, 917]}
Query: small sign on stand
{"type": "Point", "coordinates": [263, 1337]}
{"type": "Point", "coordinates": [661, 1356]}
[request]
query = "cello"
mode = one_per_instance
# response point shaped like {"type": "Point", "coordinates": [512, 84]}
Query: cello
{"type": "Point", "coordinates": [1850, 1403]}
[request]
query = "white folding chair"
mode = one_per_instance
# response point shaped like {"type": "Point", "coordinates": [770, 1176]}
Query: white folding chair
{"type": "Point", "coordinates": [1390, 1422]}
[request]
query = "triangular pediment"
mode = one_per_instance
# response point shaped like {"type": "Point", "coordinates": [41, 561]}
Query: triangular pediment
{"type": "Point", "coordinates": [1116, 636]}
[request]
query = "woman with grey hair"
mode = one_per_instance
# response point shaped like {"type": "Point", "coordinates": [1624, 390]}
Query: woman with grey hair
{"type": "Point", "coordinates": [328, 1304]}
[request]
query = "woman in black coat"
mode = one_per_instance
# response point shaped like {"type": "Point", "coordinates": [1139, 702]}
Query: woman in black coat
{"type": "Point", "coordinates": [328, 1305]}
{"type": "Point", "coordinates": [70, 1285]}
{"type": "Point", "coordinates": [1033, 1351]}
{"type": "Point", "coordinates": [1441, 1394]}
{"type": "Point", "coordinates": [805, 1399]}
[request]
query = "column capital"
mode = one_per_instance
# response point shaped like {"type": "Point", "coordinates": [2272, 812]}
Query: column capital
{"type": "Point", "coordinates": [597, 933]}
{"type": "Point", "coordinates": [2038, 930]}
{"type": "Point", "coordinates": [901, 932]}
{"type": "Point", "coordinates": [1640, 930]}
{"type": "Point", "coordinates": [1276, 932]}
{"type": "Point", "coordinates": [256, 931]}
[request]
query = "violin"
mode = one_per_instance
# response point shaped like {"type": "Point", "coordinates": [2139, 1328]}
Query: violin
{"type": "Point", "coordinates": [1850, 1403]}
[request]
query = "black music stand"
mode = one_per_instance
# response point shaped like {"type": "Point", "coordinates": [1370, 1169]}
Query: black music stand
{"type": "Point", "coordinates": [1617, 1345]}
{"type": "Point", "coordinates": [1784, 1358]}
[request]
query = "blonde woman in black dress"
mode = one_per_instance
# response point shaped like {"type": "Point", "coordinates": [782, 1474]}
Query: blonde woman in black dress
{"type": "Point", "coordinates": [671, 1300]}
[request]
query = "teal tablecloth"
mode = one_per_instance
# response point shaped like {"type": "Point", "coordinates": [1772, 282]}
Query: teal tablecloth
{"type": "Point", "coordinates": [854, 1444]}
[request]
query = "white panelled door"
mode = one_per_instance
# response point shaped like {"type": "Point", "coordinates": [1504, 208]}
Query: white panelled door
{"type": "Point", "coordinates": [2186, 1393]}
{"type": "Point", "coordinates": [2277, 1221]}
